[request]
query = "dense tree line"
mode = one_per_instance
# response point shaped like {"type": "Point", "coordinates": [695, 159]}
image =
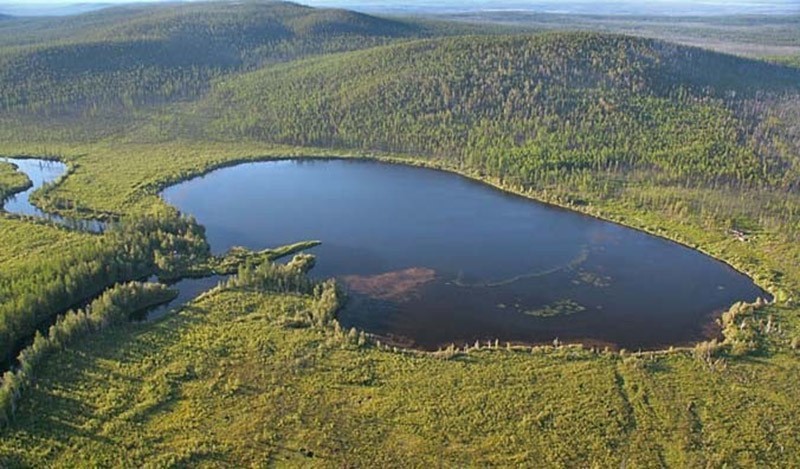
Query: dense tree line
{"type": "Point", "coordinates": [522, 108]}
{"type": "Point", "coordinates": [32, 294]}
{"type": "Point", "coordinates": [118, 304]}
{"type": "Point", "coordinates": [115, 306]}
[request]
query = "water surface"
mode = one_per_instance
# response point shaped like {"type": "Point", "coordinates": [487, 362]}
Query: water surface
{"type": "Point", "coordinates": [433, 258]}
{"type": "Point", "coordinates": [41, 173]}
{"type": "Point", "coordinates": [188, 289]}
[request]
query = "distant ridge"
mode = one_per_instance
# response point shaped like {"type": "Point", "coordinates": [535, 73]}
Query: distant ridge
{"type": "Point", "coordinates": [51, 9]}
{"type": "Point", "coordinates": [146, 54]}
{"type": "Point", "coordinates": [531, 106]}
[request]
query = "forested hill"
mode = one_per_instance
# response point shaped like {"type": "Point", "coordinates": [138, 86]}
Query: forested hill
{"type": "Point", "coordinates": [524, 106]}
{"type": "Point", "coordinates": [155, 54]}
{"type": "Point", "coordinates": [245, 26]}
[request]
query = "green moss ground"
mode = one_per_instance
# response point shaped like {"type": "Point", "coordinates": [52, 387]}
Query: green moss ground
{"type": "Point", "coordinates": [11, 180]}
{"type": "Point", "coordinates": [222, 383]}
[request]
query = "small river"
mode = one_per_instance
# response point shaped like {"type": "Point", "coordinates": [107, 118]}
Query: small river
{"type": "Point", "coordinates": [432, 258]}
{"type": "Point", "coordinates": [42, 172]}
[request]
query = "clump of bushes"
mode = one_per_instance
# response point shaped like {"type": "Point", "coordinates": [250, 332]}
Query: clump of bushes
{"type": "Point", "coordinates": [448, 353]}
{"type": "Point", "coordinates": [327, 301]}
{"type": "Point", "coordinates": [280, 278]}
{"type": "Point", "coordinates": [742, 329]}
{"type": "Point", "coordinates": [115, 306]}
{"type": "Point", "coordinates": [708, 350]}
{"type": "Point", "coordinates": [291, 278]}
{"type": "Point", "coordinates": [352, 337]}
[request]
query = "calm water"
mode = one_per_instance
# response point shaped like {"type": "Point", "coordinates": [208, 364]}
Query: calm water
{"type": "Point", "coordinates": [42, 172]}
{"type": "Point", "coordinates": [433, 258]}
{"type": "Point", "coordinates": [188, 290]}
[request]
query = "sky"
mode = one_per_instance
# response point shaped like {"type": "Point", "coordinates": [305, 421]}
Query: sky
{"type": "Point", "coordinates": [667, 7]}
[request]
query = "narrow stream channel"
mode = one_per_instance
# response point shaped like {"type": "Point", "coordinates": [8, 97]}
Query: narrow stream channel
{"type": "Point", "coordinates": [44, 172]}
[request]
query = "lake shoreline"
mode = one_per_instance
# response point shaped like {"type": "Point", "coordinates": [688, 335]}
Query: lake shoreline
{"type": "Point", "coordinates": [240, 207]}
{"type": "Point", "coordinates": [497, 185]}
{"type": "Point", "coordinates": [469, 175]}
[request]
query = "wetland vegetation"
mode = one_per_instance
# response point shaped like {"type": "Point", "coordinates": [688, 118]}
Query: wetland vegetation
{"type": "Point", "coordinates": [688, 144]}
{"type": "Point", "coordinates": [11, 180]}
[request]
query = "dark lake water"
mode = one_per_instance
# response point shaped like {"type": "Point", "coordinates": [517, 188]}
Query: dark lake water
{"type": "Point", "coordinates": [433, 258]}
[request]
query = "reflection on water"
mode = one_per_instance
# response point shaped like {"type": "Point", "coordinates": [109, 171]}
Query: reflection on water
{"type": "Point", "coordinates": [42, 173]}
{"type": "Point", "coordinates": [432, 258]}
{"type": "Point", "coordinates": [188, 290]}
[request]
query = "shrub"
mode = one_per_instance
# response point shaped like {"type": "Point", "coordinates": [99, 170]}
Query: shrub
{"type": "Point", "coordinates": [741, 328]}
{"type": "Point", "coordinates": [450, 352]}
{"type": "Point", "coordinates": [707, 350]}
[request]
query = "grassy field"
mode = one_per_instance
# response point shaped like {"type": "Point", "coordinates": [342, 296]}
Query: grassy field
{"type": "Point", "coordinates": [25, 242]}
{"type": "Point", "coordinates": [224, 383]}
{"type": "Point", "coordinates": [11, 180]}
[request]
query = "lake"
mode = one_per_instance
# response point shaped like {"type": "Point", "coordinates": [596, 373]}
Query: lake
{"type": "Point", "coordinates": [431, 258]}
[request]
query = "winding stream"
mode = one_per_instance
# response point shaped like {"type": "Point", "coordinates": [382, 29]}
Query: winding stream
{"type": "Point", "coordinates": [43, 172]}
